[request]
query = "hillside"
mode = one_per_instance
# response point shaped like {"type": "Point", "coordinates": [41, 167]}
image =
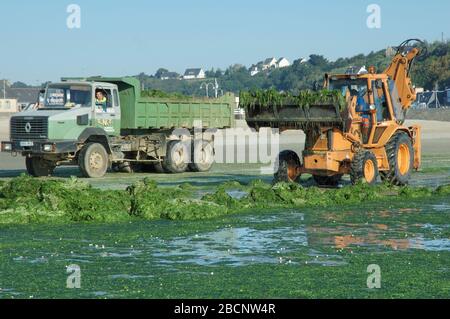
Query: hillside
{"type": "Point", "coordinates": [433, 70]}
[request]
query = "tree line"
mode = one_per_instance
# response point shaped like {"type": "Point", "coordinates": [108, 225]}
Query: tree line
{"type": "Point", "coordinates": [429, 72]}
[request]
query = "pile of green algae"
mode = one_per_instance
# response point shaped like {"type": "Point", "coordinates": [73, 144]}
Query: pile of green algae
{"type": "Point", "coordinates": [31, 200]}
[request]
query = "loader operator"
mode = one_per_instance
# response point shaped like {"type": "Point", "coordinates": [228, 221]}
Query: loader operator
{"type": "Point", "coordinates": [363, 107]}
{"type": "Point", "coordinates": [100, 100]}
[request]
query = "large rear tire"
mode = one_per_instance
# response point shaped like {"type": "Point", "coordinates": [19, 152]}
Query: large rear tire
{"type": "Point", "coordinates": [364, 167]}
{"type": "Point", "coordinates": [93, 160]}
{"type": "Point", "coordinates": [177, 157]}
{"type": "Point", "coordinates": [400, 155]}
{"type": "Point", "coordinates": [202, 156]}
{"type": "Point", "coordinates": [39, 167]}
{"type": "Point", "coordinates": [288, 164]}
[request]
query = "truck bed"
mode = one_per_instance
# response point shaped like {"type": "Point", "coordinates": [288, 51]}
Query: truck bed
{"type": "Point", "coordinates": [157, 113]}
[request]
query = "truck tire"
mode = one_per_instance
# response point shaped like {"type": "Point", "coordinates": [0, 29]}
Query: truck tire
{"type": "Point", "coordinates": [159, 168]}
{"type": "Point", "coordinates": [38, 167]}
{"type": "Point", "coordinates": [93, 160]}
{"type": "Point", "coordinates": [400, 155]}
{"type": "Point", "coordinates": [288, 162]}
{"type": "Point", "coordinates": [364, 167]}
{"type": "Point", "coordinates": [122, 167]}
{"type": "Point", "coordinates": [202, 156]}
{"type": "Point", "coordinates": [177, 157]}
{"type": "Point", "coordinates": [327, 180]}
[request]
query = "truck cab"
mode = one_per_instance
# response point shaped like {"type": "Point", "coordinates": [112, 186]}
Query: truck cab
{"type": "Point", "coordinates": [99, 123]}
{"type": "Point", "coordinates": [53, 133]}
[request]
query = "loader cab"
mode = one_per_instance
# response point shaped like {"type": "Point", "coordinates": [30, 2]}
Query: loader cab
{"type": "Point", "coordinates": [378, 95]}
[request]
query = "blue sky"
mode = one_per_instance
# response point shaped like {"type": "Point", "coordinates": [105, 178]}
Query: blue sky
{"type": "Point", "coordinates": [128, 37]}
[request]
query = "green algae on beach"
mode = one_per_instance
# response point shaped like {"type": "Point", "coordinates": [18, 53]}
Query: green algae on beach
{"type": "Point", "coordinates": [29, 200]}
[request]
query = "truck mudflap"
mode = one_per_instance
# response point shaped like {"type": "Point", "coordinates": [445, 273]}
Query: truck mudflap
{"type": "Point", "coordinates": [415, 132]}
{"type": "Point", "coordinates": [40, 147]}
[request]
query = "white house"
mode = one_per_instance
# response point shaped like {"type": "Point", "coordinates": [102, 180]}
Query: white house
{"type": "Point", "coordinates": [169, 76]}
{"type": "Point", "coordinates": [254, 69]}
{"type": "Point", "coordinates": [268, 63]}
{"type": "Point", "coordinates": [356, 70]}
{"type": "Point", "coordinates": [283, 62]}
{"type": "Point", "coordinates": [194, 74]}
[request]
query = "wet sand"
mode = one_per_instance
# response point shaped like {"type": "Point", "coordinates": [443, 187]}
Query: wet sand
{"type": "Point", "coordinates": [435, 142]}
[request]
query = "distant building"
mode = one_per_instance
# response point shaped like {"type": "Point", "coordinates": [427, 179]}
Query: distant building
{"type": "Point", "coordinates": [390, 52]}
{"type": "Point", "coordinates": [9, 106]}
{"type": "Point", "coordinates": [356, 70]}
{"type": "Point", "coordinates": [283, 63]}
{"type": "Point", "coordinates": [194, 74]}
{"type": "Point", "coordinates": [169, 76]}
{"type": "Point", "coordinates": [254, 69]}
{"type": "Point", "coordinates": [269, 63]}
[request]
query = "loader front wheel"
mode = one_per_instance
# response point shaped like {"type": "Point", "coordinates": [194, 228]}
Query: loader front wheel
{"type": "Point", "coordinates": [288, 164]}
{"type": "Point", "coordinates": [400, 156]}
{"type": "Point", "coordinates": [364, 168]}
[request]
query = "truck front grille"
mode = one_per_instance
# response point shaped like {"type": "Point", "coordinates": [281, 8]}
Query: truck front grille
{"type": "Point", "coordinates": [29, 128]}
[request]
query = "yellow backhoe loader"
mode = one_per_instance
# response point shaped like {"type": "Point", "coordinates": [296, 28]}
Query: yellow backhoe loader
{"type": "Point", "coordinates": [365, 139]}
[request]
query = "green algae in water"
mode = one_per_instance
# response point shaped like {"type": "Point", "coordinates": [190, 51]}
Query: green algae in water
{"type": "Point", "coordinates": [28, 200]}
{"type": "Point", "coordinates": [149, 201]}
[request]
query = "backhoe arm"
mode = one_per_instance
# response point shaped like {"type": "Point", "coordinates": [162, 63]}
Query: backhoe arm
{"type": "Point", "coordinates": [399, 71]}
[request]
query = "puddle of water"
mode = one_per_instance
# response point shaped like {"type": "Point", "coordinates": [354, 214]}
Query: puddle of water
{"type": "Point", "coordinates": [442, 244]}
{"type": "Point", "coordinates": [441, 207]}
{"type": "Point", "coordinates": [233, 246]}
{"type": "Point", "coordinates": [237, 194]}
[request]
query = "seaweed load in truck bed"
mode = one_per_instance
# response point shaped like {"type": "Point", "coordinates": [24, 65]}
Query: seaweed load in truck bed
{"type": "Point", "coordinates": [282, 109]}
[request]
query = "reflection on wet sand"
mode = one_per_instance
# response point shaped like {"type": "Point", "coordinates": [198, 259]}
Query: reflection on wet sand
{"type": "Point", "coordinates": [343, 236]}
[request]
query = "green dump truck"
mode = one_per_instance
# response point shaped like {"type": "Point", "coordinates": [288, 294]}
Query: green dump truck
{"type": "Point", "coordinates": [103, 123]}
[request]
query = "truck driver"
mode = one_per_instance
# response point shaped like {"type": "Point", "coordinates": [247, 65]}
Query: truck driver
{"type": "Point", "coordinates": [100, 100]}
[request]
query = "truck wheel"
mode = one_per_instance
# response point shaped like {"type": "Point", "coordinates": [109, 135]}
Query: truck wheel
{"type": "Point", "coordinates": [122, 167]}
{"type": "Point", "coordinates": [202, 156]}
{"type": "Point", "coordinates": [176, 160]}
{"type": "Point", "coordinates": [327, 180]}
{"type": "Point", "coordinates": [288, 162]}
{"type": "Point", "coordinates": [364, 167]}
{"type": "Point", "coordinates": [399, 151]}
{"type": "Point", "coordinates": [38, 167]}
{"type": "Point", "coordinates": [159, 168]}
{"type": "Point", "coordinates": [93, 160]}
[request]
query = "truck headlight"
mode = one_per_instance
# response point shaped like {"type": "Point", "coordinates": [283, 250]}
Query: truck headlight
{"type": "Point", "coordinates": [6, 147]}
{"type": "Point", "coordinates": [48, 147]}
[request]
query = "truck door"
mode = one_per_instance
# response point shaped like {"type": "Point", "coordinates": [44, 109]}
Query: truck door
{"type": "Point", "coordinates": [106, 111]}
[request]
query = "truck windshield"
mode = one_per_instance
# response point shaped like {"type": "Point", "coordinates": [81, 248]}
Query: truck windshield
{"type": "Point", "coordinates": [355, 87]}
{"type": "Point", "coordinates": [68, 96]}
